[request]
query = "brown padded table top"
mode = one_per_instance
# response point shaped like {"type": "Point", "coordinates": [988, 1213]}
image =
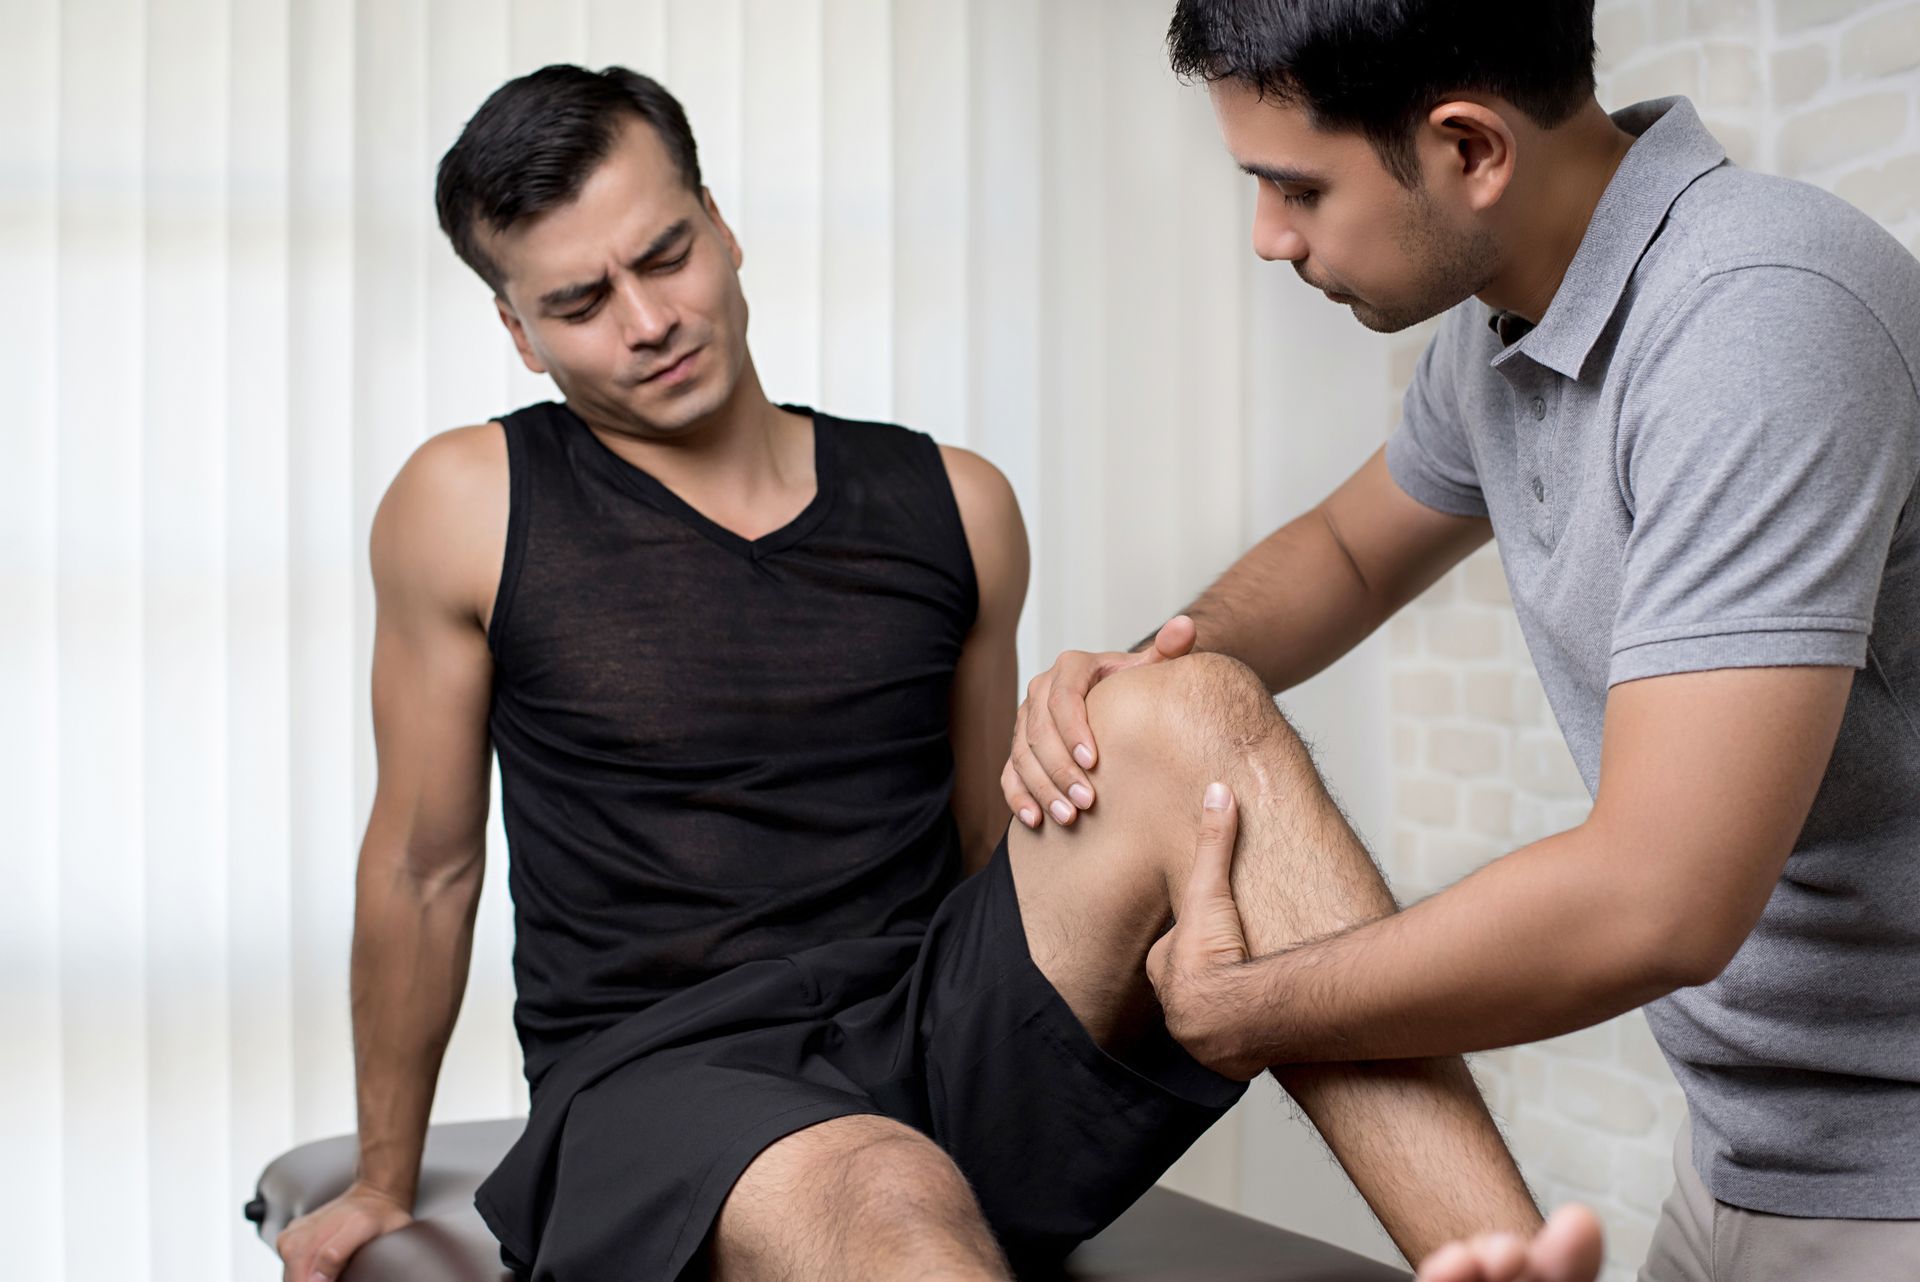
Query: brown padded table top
{"type": "Point", "coordinates": [1165, 1237]}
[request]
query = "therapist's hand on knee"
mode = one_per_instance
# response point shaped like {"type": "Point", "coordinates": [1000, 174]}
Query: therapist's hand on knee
{"type": "Point", "coordinates": [317, 1246]}
{"type": "Point", "coordinates": [1053, 747]}
{"type": "Point", "coordinates": [1194, 965]}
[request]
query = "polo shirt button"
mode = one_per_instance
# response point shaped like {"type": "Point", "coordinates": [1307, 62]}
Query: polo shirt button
{"type": "Point", "coordinates": [1539, 491]}
{"type": "Point", "coordinates": [1539, 407]}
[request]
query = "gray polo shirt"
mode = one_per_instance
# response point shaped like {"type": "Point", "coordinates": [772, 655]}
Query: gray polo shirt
{"type": "Point", "coordinates": [1705, 456]}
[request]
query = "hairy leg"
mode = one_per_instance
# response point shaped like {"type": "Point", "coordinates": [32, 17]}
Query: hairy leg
{"type": "Point", "coordinates": [1414, 1135]}
{"type": "Point", "coordinates": [855, 1198]}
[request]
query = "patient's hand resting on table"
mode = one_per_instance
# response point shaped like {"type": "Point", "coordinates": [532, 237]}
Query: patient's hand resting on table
{"type": "Point", "coordinates": [317, 1246]}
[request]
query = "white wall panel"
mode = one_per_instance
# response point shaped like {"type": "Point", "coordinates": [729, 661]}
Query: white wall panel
{"type": "Point", "coordinates": [703, 69]}
{"type": "Point", "coordinates": [184, 630]}
{"type": "Point", "coordinates": [779, 214]}
{"type": "Point", "coordinates": [627, 33]}
{"type": "Point", "coordinates": [856, 226]}
{"type": "Point", "coordinates": [932, 255]}
{"type": "Point", "coordinates": [259, 759]}
{"type": "Point", "coordinates": [1144, 257]}
{"type": "Point", "coordinates": [1005, 354]}
{"type": "Point", "coordinates": [547, 31]}
{"type": "Point", "coordinates": [1075, 195]}
{"type": "Point", "coordinates": [327, 555]}
{"type": "Point", "coordinates": [32, 1179]}
{"type": "Point", "coordinates": [101, 359]}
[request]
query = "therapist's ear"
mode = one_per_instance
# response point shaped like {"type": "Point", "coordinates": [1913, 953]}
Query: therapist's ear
{"type": "Point", "coordinates": [1468, 153]}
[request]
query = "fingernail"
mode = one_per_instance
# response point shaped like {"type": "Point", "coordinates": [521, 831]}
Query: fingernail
{"type": "Point", "coordinates": [1062, 811]}
{"type": "Point", "coordinates": [1082, 795]}
{"type": "Point", "coordinates": [1030, 817]}
{"type": "Point", "coordinates": [1217, 797]}
{"type": "Point", "coordinates": [1084, 755]}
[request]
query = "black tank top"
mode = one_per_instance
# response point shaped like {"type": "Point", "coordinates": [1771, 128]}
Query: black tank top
{"type": "Point", "coordinates": [715, 750]}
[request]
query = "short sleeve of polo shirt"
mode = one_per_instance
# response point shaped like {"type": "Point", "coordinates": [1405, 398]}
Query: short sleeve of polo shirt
{"type": "Point", "coordinates": [1428, 454]}
{"type": "Point", "coordinates": [1767, 453]}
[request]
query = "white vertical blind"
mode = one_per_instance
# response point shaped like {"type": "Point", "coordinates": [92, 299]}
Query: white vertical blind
{"type": "Point", "coordinates": [186, 588]}
{"type": "Point", "coordinates": [33, 1178]}
{"type": "Point", "coordinates": [231, 316]}
{"type": "Point", "coordinates": [258, 437]}
{"type": "Point", "coordinates": [100, 371]}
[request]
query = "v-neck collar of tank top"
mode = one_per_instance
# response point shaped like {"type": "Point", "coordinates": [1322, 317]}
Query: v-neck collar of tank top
{"type": "Point", "coordinates": [649, 488]}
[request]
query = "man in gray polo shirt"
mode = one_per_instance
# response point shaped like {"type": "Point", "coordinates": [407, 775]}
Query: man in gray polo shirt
{"type": "Point", "coordinates": [1681, 397]}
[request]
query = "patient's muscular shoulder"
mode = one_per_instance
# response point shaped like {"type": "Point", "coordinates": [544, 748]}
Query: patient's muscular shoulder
{"type": "Point", "coordinates": [995, 533]}
{"type": "Point", "coordinates": [440, 533]}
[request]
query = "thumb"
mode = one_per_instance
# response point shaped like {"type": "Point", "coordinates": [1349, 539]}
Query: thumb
{"type": "Point", "coordinates": [1209, 913]}
{"type": "Point", "coordinates": [1175, 638]}
{"type": "Point", "coordinates": [1157, 959]}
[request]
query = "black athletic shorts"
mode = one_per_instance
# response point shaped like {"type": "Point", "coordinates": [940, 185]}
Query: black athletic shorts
{"type": "Point", "coordinates": [637, 1137]}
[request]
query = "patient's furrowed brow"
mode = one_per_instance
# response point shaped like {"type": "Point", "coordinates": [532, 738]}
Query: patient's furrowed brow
{"type": "Point", "coordinates": [568, 295]}
{"type": "Point", "coordinates": [662, 243]}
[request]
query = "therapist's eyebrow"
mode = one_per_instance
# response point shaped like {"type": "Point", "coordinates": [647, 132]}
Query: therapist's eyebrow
{"type": "Point", "coordinates": [1284, 175]}
{"type": "Point", "coordinates": [567, 295]}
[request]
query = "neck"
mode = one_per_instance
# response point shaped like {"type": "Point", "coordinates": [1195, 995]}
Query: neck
{"type": "Point", "coordinates": [747, 446]}
{"type": "Point", "coordinates": [1555, 207]}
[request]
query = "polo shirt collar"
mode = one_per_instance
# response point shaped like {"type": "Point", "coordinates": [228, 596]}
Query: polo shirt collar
{"type": "Point", "coordinates": [1672, 150]}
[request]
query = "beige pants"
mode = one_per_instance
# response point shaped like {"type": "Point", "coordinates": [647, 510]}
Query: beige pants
{"type": "Point", "coordinates": [1701, 1240]}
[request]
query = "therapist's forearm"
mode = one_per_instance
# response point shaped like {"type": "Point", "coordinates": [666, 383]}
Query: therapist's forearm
{"type": "Point", "coordinates": [1290, 606]}
{"type": "Point", "coordinates": [1551, 938]}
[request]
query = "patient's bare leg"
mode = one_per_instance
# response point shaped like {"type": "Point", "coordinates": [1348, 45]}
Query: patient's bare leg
{"type": "Point", "coordinates": [1414, 1135]}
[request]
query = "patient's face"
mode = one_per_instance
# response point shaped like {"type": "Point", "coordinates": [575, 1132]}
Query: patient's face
{"type": "Point", "coordinates": [630, 296]}
{"type": "Point", "coordinates": [1328, 204]}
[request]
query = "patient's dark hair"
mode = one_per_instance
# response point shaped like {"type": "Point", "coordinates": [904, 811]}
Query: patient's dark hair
{"type": "Point", "coordinates": [1378, 66]}
{"type": "Point", "coordinates": [535, 141]}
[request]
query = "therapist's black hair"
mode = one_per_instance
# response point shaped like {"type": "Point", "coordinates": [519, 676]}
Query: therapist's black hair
{"type": "Point", "coordinates": [535, 141]}
{"type": "Point", "coordinates": [1378, 66]}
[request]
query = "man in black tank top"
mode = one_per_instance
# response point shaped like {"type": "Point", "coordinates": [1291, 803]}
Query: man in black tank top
{"type": "Point", "coordinates": [749, 672]}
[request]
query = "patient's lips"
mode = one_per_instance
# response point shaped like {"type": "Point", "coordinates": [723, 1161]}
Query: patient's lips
{"type": "Point", "coordinates": [677, 372]}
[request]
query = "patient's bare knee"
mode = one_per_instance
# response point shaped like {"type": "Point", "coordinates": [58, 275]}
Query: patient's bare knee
{"type": "Point", "coordinates": [1299, 870]}
{"type": "Point", "coordinates": [853, 1197]}
{"type": "Point", "coordinates": [1201, 716]}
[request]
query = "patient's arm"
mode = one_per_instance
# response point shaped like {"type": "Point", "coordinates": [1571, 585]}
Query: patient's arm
{"type": "Point", "coordinates": [438, 540]}
{"type": "Point", "coordinates": [986, 681]}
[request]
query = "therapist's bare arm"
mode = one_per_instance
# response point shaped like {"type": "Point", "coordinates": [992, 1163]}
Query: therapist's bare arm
{"type": "Point", "coordinates": [437, 543]}
{"type": "Point", "coordinates": [1706, 780]}
{"type": "Point", "coordinates": [1305, 595]}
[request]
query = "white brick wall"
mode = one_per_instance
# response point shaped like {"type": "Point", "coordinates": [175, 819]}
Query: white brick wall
{"type": "Point", "coordinates": [1823, 90]}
